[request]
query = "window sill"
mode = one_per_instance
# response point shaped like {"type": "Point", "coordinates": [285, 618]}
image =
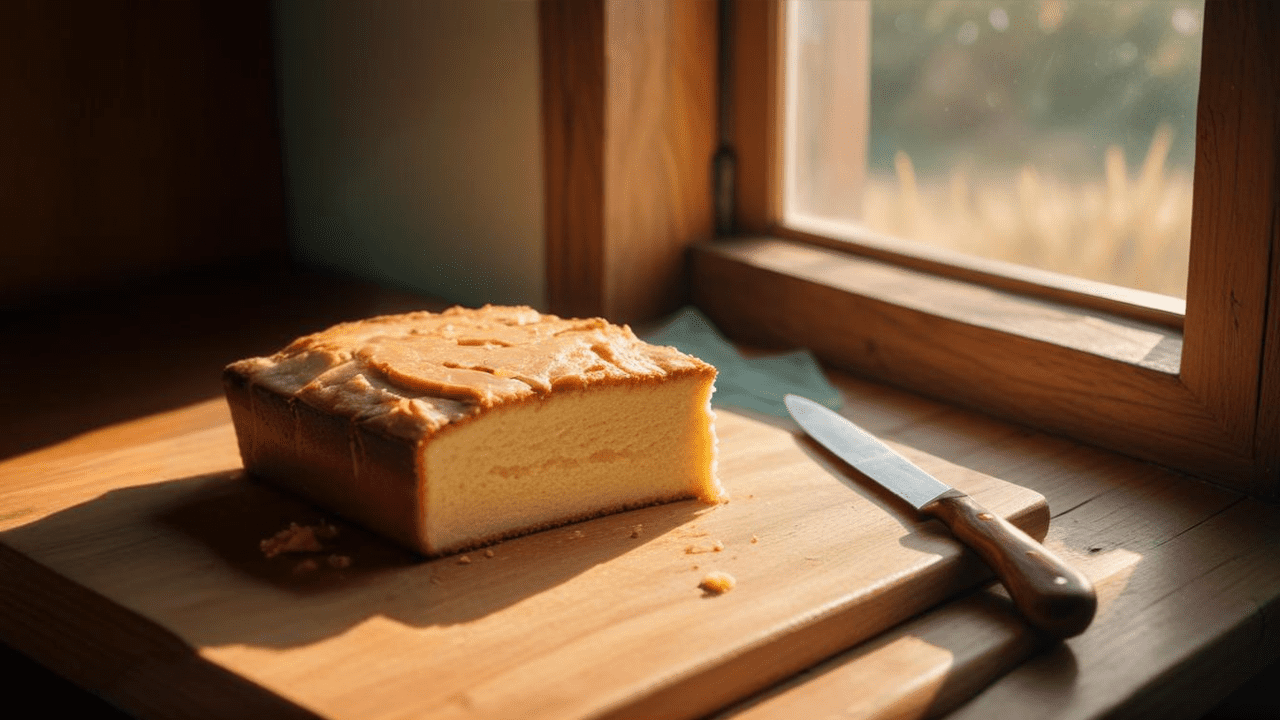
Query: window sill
{"type": "Point", "coordinates": [1137, 344]}
{"type": "Point", "coordinates": [1085, 374]}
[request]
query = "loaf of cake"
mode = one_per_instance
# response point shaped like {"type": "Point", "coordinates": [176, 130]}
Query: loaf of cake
{"type": "Point", "coordinates": [448, 431]}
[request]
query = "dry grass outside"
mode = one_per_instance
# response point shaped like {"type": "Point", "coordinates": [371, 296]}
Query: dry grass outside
{"type": "Point", "coordinates": [1125, 230]}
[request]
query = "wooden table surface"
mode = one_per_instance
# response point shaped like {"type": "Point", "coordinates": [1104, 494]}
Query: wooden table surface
{"type": "Point", "coordinates": [1188, 574]}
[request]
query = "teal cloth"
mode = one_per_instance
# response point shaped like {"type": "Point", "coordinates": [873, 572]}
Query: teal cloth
{"type": "Point", "coordinates": [757, 383]}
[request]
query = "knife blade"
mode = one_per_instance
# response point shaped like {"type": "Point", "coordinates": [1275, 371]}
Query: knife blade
{"type": "Point", "coordinates": [1050, 594]}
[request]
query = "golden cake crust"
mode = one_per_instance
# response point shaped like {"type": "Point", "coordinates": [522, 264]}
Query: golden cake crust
{"type": "Point", "coordinates": [416, 373]}
{"type": "Point", "coordinates": [345, 416]}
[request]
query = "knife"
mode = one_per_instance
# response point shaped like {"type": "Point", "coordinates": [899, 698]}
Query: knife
{"type": "Point", "coordinates": [1051, 595]}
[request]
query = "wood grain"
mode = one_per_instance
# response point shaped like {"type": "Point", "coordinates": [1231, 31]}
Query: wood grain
{"type": "Point", "coordinates": [1173, 561]}
{"type": "Point", "coordinates": [660, 137]}
{"type": "Point", "coordinates": [629, 126]}
{"type": "Point", "coordinates": [1185, 571]}
{"type": "Point", "coordinates": [1140, 305]}
{"type": "Point", "coordinates": [244, 310]}
{"type": "Point", "coordinates": [572, 52]}
{"type": "Point", "coordinates": [1050, 594]}
{"type": "Point", "coordinates": [1104, 381]}
{"type": "Point", "coordinates": [1148, 538]}
{"type": "Point", "coordinates": [138, 141]}
{"type": "Point", "coordinates": [127, 656]}
{"type": "Point", "coordinates": [1183, 605]}
{"type": "Point", "coordinates": [1208, 417]}
{"type": "Point", "coordinates": [952, 653]}
{"type": "Point", "coordinates": [757, 113]}
{"type": "Point", "coordinates": [585, 621]}
{"type": "Point", "coordinates": [1235, 234]}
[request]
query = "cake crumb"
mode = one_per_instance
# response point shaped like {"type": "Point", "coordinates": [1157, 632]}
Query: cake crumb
{"type": "Point", "coordinates": [575, 534]}
{"type": "Point", "coordinates": [635, 530]}
{"type": "Point", "coordinates": [293, 539]}
{"type": "Point", "coordinates": [488, 553]}
{"type": "Point", "coordinates": [754, 539]}
{"type": "Point", "coordinates": [717, 582]}
{"type": "Point", "coordinates": [464, 560]}
{"type": "Point", "coordinates": [715, 546]}
{"type": "Point", "coordinates": [339, 562]}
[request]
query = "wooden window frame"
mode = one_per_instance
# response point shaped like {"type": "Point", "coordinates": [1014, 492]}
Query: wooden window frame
{"type": "Point", "coordinates": [629, 133]}
{"type": "Point", "coordinates": [1213, 414]}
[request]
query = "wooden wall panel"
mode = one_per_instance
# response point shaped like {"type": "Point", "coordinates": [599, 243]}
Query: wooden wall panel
{"type": "Point", "coordinates": [137, 139]}
{"type": "Point", "coordinates": [660, 138]}
{"type": "Point", "coordinates": [571, 45]}
{"type": "Point", "coordinates": [629, 110]}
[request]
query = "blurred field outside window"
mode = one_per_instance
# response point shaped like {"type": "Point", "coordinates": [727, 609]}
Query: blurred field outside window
{"type": "Point", "coordinates": [1055, 134]}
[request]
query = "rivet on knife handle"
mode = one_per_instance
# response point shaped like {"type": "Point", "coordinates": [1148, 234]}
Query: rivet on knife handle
{"type": "Point", "coordinates": [1051, 595]}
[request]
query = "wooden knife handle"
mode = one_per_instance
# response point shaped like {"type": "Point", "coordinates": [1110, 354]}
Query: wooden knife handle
{"type": "Point", "coordinates": [1051, 595]}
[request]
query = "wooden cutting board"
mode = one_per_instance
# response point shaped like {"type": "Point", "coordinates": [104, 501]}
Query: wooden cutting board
{"type": "Point", "coordinates": [134, 567]}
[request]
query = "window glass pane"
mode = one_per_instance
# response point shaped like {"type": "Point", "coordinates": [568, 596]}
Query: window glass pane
{"type": "Point", "coordinates": [1056, 134]}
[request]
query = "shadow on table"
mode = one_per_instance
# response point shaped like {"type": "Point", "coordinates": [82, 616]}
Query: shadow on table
{"type": "Point", "coordinates": [187, 554]}
{"type": "Point", "coordinates": [92, 360]}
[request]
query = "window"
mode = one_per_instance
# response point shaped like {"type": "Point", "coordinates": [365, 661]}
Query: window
{"type": "Point", "coordinates": [1197, 391]}
{"type": "Point", "coordinates": [1057, 135]}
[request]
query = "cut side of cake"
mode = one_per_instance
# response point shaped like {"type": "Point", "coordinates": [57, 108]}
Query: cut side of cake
{"type": "Point", "coordinates": [448, 431]}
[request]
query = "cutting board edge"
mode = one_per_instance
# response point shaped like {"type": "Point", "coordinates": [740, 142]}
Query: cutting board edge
{"type": "Point", "coordinates": [684, 696]}
{"type": "Point", "coordinates": [140, 654]}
